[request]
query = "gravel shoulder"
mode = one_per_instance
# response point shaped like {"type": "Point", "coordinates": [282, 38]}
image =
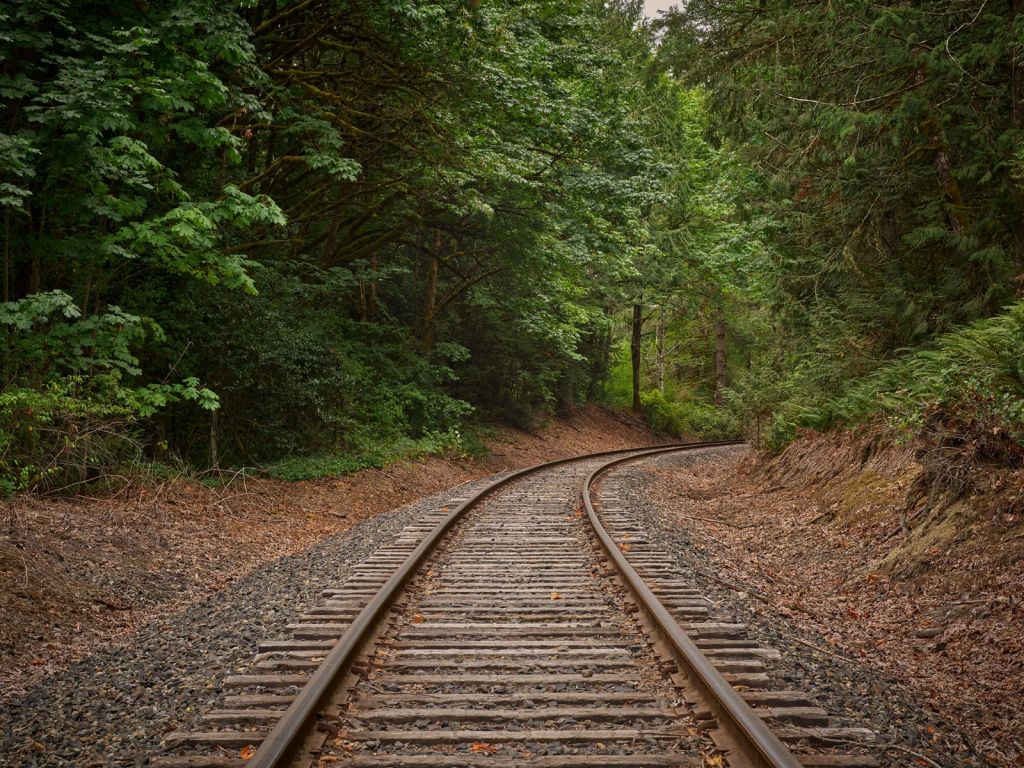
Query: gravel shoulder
{"type": "Point", "coordinates": [680, 498]}
{"type": "Point", "coordinates": [172, 623]}
{"type": "Point", "coordinates": [111, 708]}
{"type": "Point", "coordinates": [78, 573]}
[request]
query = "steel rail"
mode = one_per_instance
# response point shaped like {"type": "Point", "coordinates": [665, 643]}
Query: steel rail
{"type": "Point", "coordinates": [747, 731]}
{"type": "Point", "coordinates": [285, 740]}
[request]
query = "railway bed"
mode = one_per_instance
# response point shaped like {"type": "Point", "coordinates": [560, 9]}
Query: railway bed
{"type": "Point", "coordinates": [533, 624]}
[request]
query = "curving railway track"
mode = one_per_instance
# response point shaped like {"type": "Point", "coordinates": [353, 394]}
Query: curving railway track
{"type": "Point", "coordinates": [532, 624]}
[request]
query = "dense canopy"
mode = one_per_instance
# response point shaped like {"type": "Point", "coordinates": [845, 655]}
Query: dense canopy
{"type": "Point", "coordinates": [238, 232]}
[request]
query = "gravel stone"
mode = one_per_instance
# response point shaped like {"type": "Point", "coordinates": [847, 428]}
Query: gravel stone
{"type": "Point", "coordinates": [114, 707]}
{"type": "Point", "coordinates": [854, 694]}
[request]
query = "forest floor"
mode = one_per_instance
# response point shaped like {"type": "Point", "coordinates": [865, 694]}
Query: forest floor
{"type": "Point", "coordinates": [78, 573]}
{"type": "Point", "coordinates": [852, 548]}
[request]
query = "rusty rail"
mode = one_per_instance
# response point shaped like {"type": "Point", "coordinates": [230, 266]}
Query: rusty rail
{"type": "Point", "coordinates": [285, 741]}
{"type": "Point", "coordinates": [748, 731]}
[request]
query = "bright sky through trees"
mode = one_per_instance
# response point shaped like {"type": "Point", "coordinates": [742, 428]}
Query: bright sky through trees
{"type": "Point", "coordinates": [653, 7]}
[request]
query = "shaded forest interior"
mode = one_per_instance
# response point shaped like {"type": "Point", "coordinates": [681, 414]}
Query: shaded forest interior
{"type": "Point", "coordinates": [315, 236]}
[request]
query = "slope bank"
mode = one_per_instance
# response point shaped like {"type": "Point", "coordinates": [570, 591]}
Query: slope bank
{"type": "Point", "coordinates": [857, 541]}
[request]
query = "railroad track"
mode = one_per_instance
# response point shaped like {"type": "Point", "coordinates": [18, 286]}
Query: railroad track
{"type": "Point", "coordinates": [517, 628]}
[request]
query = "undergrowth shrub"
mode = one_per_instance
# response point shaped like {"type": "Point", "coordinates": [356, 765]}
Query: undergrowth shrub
{"type": "Point", "coordinates": [295, 378]}
{"type": "Point", "coordinates": [59, 437]}
{"type": "Point", "coordinates": [976, 372]}
{"type": "Point", "coordinates": [963, 400]}
{"type": "Point", "coordinates": [685, 418]}
{"type": "Point", "coordinates": [375, 455]}
{"type": "Point", "coordinates": [71, 405]}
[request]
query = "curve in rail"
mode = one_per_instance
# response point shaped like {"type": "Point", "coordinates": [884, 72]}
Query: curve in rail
{"type": "Point", "coordinates": [749, 732]}
{"type": "Point", "coordinates": [286, 738]}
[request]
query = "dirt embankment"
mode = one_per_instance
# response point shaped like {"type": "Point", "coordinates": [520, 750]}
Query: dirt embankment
{"type": "Point", "coordinates": [79, 573]}
{"type": "Point", "coordinates": [853, 537]}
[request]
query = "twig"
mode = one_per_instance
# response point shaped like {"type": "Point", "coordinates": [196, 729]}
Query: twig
{"type": "Point", "coordinates": [826, 513]}
{"type": "Point", "coordinates": [796, 639]}
{"type": "Point", "coordinates": [720, 522]}
{"type": "Point", "coordinates": [732, 585]}
{"type": "Point", "coordinates": [915, 754]}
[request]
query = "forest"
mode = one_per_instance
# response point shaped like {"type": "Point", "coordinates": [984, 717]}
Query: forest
{"type": "Point", "coordinates": [310, 236]}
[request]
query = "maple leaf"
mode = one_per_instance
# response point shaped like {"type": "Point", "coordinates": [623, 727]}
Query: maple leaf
{"type": "Point", "coordinates": [417, 618]}
{"type": "Point", "coordinates": [555, 596]}
{"type": "Point", "coordinates": [247, 751]}
{"type": "Point", "coordinates": [624, 547]}
{"type": "Point", "coordinates": [482, 747]}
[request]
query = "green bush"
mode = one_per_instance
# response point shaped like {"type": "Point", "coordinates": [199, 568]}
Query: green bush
{"type": "Point", "coordinates": [297, 378]}
{"type": "Point", "coordinates": [70, 412]}
{"type": "Point", "coordinates": [689, 418]}
{"type": "Point", "coordinates": [61, 435]}
{"type": "Point", "coordinates": [375, 455]}
{"type": "Point", "coordinates": [976, 372]}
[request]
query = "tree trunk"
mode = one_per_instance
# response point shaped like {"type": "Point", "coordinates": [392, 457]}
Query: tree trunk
{"type": "Point", "coordinates": [634, 349]}
{"type": "Point", "coordinates": [947, 182]}
{"type": "Point", "coordinates": [720, 380]}
{"type": "Point", "coordinates": [214, 428]}
{"type": "Point", "coordinates": [660, 338]}
{"type": "Point", "coordinates": [567, 399]}
{"type": "Point", "coordinates": [1017, 72]}
{"type": "Point", "coordinates": [430, 305]}
{"type": "Point", "coordinates": [371, 304]}
{"type": "Point", "coordinates": [7, 255]}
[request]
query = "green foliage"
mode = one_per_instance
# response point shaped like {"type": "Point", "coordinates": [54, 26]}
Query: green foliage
{"type": "Point", "coordinates": [69, 411]}
{"type": "Point", "coordinates": [63, 434]}
{"type": "Point", "coordinates": [976, 372]}
{"type": "Point", "coordinates": [46, 335]}
{"type": "Point", "coordinates": [877, 146]}
{"type": "Point", "coordinates": [617, 386]}
{"type": "Point", "coordinates": [371, 454]}
{"type": "Point", "coordinates": [689, 418]}
{"type": "Point", "coordinates": [352, 237]}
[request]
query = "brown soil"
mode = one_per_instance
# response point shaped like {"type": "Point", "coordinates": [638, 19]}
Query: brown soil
{"type": "Point", "coordinates": [842, 535]}
{"type": "Point", "coordinates": [79, 573]}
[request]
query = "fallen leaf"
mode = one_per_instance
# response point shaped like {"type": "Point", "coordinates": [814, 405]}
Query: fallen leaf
{"type": "Point", "coordinates": [247, 751]}
{"type": "Point", "coordinates": [713, 761]}
{"type": "Point", "coordinates": [482, 747]}
{"type": "Point", "coordinates": [624, 547]}
{"type": "Point", "coordinates": [417, 618]}
{"type": "Point", "coordinates": [555, 596]}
